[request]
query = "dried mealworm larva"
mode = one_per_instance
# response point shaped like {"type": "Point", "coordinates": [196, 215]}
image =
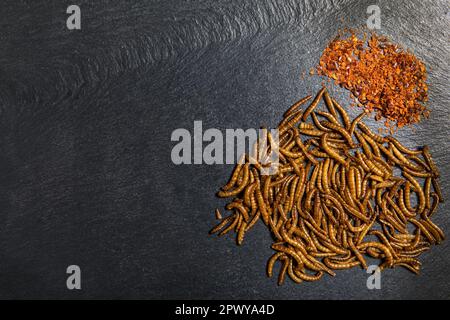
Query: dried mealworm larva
{"type": "Point", "coordinates": [343, 113]}
{"type": "Point", "coordinates": [313, 104]}
{"type": "Point", "coordinates": [332, 203]}
{"type": "Point", "coordinates": [333, 154]}
{"type": "Point", "coordinates": [296, 105]}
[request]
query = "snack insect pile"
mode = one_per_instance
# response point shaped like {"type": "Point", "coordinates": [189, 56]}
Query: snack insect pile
{"type": "Point", "coordinates": [335, 199]}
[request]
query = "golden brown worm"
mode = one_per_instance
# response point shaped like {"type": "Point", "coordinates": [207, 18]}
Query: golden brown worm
{"type": "Point", "coordinates": [318, 123]}
{"type": "Point", "coordinates": [296, 105]}
{"type": "Point", "coordinates": [374, 145]}
{"type": "Point", "coordinates": [342, 131]}
{"type": "Point", "coordinates": [227, 194]}
{"type": "Point", "coordinates": [255, 219]}
{"type": "Point", "coordinates": [418, 190]}
{"type": "Point", "coordinates": [333, 154]}
{"type": "Point", "coordinates": [328, 116]}
{"type": "Point", "coordinates": [284, 268]}
{"type": "Point", "coordinates": [343, 113]}
{"type": "Point", "coordinates": [241, 233]}
{"type": "Point", "coordinates": [383, 248]}
{"type": "Point", "coordinates": [234, 176]}
{"type": "Point", "coordinates": [222, 224]}
{"type": "Point", "coordinates": [291, 123]}
{"type": "Point", "coordinates": [218, 214]}
{"type": "Point", "coordinates": [365, 146]}
{"type": "Point", "coordinates": [330, 105]}
{"type": "Point", "coordinates": [423, 230]}
{"type": "Point", "coordinates": [403, 159]}
{"type": "Point", "coordinates": [437, 189]}
{"type": "Point", "coordinates": [402, 148]}
{"type": "Point", "coordinates": [305, 151]}
{"type": "Point", "coordinates": [241, 208]}
{"type": "Point", "coordinates": [231, 226]}
{"type": "Point", "coordinates": [369, 133]}
{"type": "Point", "coordinates": [429, 161]}
{"type": "Point", "coordinates": [340, 265]}
{"type": "Point", "coordinates": [313, 104]}
{"type": "Point", "coordinates": [355, 122]}
{"type": "Point", "coordinates": [272, 261]}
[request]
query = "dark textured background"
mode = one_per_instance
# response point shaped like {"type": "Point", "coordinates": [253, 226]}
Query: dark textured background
{"type": "Point", "coordinates": [85, 124]}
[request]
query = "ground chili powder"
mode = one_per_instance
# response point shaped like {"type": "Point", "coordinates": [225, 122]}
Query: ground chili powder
{"type": "Point", "coordinates": [383, 76]}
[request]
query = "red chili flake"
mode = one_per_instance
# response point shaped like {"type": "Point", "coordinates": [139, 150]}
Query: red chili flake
{"type": "Point", "coordinates": [381, 75]}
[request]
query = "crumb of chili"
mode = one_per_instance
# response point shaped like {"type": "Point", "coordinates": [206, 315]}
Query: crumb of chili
{"type": "Point", "coordinates": [381, 75]}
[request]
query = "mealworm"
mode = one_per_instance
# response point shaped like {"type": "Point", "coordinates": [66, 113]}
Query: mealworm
{"type": "Point", "coordinates": [329, 103]}
{"type": "Point", "coordinates": [410, 268]}
{"type": "Point", "coordinates": [343, 132]}
{"type": "Point", "coordinates": [275, 228]}
{"type": "Point", "coordinates": [429, 160]}
{"type": "Point", "coordinates": [372, 167]}
{"type": "Point", "coordinates": [305, 125]}
{"type": "Point", "coordinates": [385, 241]}
{"type": "Point", "coordinates": [283, 270]}
{"type": "Point", "coordinates": [343, 113]}
{"type": "Point", "coordinates": [370, 134]}
{"type": "Point", "coordinates": [383, 248]}
{"type": "Point", "coordinates": [418, 190]}
{"type": "Point", "coordinates": [218, 214]}
{"type": "Point", "coordinates": [355, 122]}
{"type": "Point", "coordinates": [423, 229]}
{"type": "Point", "coordinates": [415, 241]}
{"type": "Point", "coordinates": [311, 132]}
{"type": "Point", "coordinates": [402, 148]}
{"type": "Point", "coordinates": [285, 122]}
{"type": "Point", "coordinates": [330, 194]}
{"type": "Point", "coordinates": [433, 226]}
{"type": "Point", "coordinates": [340, 266]}
{"type": "Point", "coordinates": [435, 203]}
{"type": "Point", "coordinates": [365, 146]}
{"type": "Point", "coordinates": [333, 154]}
{"type": "Point", "coordinates": [318, 154]}
{"type": "Point", "coordinates": [313, 104]}
{"type": "Point", "coordinates": [437, 189]}
{"type": "Point", "coordinates": [402, 206]}
{"type": "Point", "coordinates": [291, 123]}
{"type": "Point", "coordinates": [318, 123]}
{"type": "Point", "coordinates": [383, 166]}
{"type": "Point", "coordinates": [328, 116]}
{"type": "Point", "coordinates": [374, 145]}
{"type": "Point", "coordinates": [292, 194]}
{"type": "Point", "coordinates": [221, 225]}
{"type": "Point", "coordinates": [231, 226]}
{"type": "Point", "coordinates": [421, 163]}
{"type": "Point", "coordinates": [227, 194]}
{"type": "Point", "coordinates": [296, 105]}
{"type": "Point", "coordinates": [307, 277]}
{"type": "Point", "coordinates": [271, 262]}
{"type": "Point", "coordinates": [325, 182]}
{"type": "Point", "coordinates": [262, 206]}
{"type": "Point", "coordinates": [427, 192]}
{"type": "Point", "coordinates": [305, 151]}
{"type": "Point", "coordinates": [317, 210]}
{"type": "Point", "coordinates": [241, 233]}
{"type": "Point", "coordinates": [240, 207]}
{"type": "Point", "coordinates": [403, 159]}
{"type": "Point", "coordinates": [234, 176]}
{"type": "Point", "coordinates": [351, 181]}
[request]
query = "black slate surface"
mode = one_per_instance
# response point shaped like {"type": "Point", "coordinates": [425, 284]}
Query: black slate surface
{"type": "Point", "coordinates": [85, 124]}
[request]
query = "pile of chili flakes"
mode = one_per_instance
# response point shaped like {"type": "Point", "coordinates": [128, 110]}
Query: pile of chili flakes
{"type": "Point", "coordinates": [381, 75]}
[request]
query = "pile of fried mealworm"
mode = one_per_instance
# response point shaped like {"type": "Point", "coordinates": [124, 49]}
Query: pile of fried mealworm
{"type": "Point", "coordinates": [335, 199]}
